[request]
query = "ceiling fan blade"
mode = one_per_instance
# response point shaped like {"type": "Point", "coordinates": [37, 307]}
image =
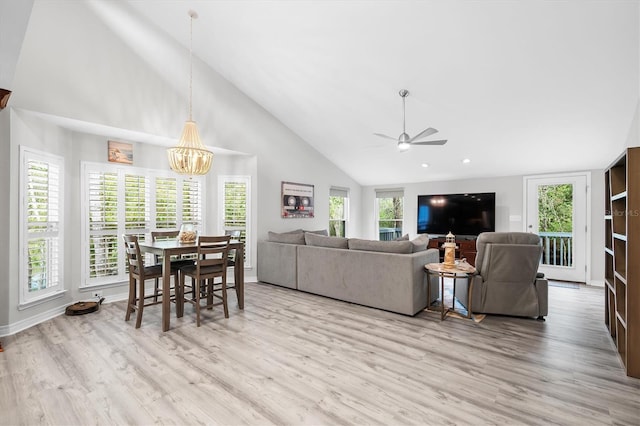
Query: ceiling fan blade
{"type": "Point", "coordinates": [386, 137]}
{"type": "Point", "coordinates": [426, 132]}
{"type": "Point", "coordinates": [438, 142]}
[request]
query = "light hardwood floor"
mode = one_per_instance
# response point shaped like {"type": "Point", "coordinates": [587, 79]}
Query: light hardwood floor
{"type": "Point", "coordinates": [295, 358]}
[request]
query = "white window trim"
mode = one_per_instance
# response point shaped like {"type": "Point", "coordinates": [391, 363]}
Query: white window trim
{"type": "Point", "coordinates": [151, 174]}
{"type": "Point", "coordinates": [27, 154]}
{"type": "Point", "coordinates": [221, 228]}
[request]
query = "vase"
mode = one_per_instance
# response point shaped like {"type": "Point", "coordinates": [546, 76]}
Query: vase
{"type": "Point", "coordinates": [188, 233]}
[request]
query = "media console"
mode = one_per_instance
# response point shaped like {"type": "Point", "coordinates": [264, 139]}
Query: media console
{"type": "Point", "coordinates": [466, 248]}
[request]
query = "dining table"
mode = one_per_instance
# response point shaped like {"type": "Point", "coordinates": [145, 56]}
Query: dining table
{"type": "Point", "coordinates": [173, 247]}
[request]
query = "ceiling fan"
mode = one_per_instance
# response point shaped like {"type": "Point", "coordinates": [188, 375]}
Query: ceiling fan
{"type": "Point", "coordinates": [404, 140]}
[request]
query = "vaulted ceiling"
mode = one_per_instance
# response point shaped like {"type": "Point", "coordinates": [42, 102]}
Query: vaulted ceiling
{"type": "Point", "coordinates": [517, 87]}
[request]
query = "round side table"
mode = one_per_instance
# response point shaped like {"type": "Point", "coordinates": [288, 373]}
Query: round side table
{"type": "Point", "coordinates": [445, 271]}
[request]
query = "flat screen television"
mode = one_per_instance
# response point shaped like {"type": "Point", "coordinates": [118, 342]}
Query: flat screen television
{"type": "Point", "coordinates": [462, 214]}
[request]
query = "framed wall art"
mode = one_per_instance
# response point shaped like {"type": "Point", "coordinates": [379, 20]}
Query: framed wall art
{"type": "Point", "coordinates": [120, 152]}
{"type": "Point", "coordinates": [297, 200]}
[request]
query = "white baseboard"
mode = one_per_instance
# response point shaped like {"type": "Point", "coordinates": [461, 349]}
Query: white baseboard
{"type": "Point", "coordinates": [596, 283]}
{"type": "Point", "coordinates": [16, 327]}
{"type": "Point", "coordinates": [7, 330]}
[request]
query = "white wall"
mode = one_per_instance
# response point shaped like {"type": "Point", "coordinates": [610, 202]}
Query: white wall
{"type": "Point", "coordinates": [508, 200]}
{"type": "Point", "coordinates": [509, 205]}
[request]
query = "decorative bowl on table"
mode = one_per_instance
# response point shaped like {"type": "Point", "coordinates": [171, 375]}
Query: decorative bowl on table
{"type": "Point", "coordinates": [188, 233]}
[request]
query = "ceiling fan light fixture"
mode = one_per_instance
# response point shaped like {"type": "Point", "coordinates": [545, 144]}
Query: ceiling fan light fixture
{"type": "Point", "coordinates": [404, 140]}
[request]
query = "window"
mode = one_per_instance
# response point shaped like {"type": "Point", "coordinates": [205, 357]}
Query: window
{"type": "Point", "coordinates": [41, 245]}
{"type": "Point", "coordinates": [338, 211]}
{"type": "Point", "coordinates": [235, 194]}
{"type": "Point", "coordinates": [390, 212]}
{"type": "Point", "coordinates": [119, 200]}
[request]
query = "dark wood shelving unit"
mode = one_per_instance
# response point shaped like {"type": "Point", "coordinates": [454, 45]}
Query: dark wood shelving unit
{"type": "Point", "coordinates": [622, 255]}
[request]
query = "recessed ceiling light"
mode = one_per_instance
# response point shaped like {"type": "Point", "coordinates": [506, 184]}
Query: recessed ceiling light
{"type": "Point", "coordinates": [466, 161]}
{"type": "Point", "coordinates": [425, 165]}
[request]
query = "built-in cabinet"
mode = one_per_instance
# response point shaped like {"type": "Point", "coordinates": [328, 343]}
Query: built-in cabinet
{"type": "Point", "coordinates": [465, 249]}
{"type": "Point", "coordinates": [622, 257]}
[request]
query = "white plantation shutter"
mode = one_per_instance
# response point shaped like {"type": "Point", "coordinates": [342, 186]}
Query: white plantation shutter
{"type": "Point", "coordinates": [235, 206]}
{"type": "Point", "coordinates": [136, 195]}
{"type": "Point", "coordinates": [127, 200]}
{"type": "Point", "coordinates": [166, 198]}
{"type": "Point", "coordinates": [41, 236]}
{"type": "Point", "coordinates": [103, 224]}
{"type": "Point", "coordinates": [234, 192]}
{"type": "Point", "coordinates": [192, 202]}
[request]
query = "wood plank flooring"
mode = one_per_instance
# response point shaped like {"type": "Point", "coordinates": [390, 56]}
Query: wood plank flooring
{"type": "Point", "coordinates": [292, 358]}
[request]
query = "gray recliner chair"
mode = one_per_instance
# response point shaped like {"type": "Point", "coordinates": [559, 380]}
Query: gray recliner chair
{"type": "Point", "coordinates": [507, 281]}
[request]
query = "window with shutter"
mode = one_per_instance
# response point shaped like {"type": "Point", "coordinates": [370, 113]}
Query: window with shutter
{"type": "Point", "coordinates": [125, 200]}
{"type": "Point", "coordinates": [102, 197]}
{"type": "Point", "coordinates": [234, 192]}
{"type": "Point", "coordinates": [41, 232]}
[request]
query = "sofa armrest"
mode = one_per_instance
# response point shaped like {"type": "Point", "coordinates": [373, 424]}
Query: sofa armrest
{"type": "Point", "coordinates": [277, 263]}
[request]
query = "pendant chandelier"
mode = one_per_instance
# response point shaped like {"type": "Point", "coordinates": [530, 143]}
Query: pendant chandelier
{"type": "Point", "coordinates": [190, 157]}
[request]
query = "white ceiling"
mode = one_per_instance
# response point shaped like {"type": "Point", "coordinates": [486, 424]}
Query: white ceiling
{"type": "Point", "coordinates": [518, 87]}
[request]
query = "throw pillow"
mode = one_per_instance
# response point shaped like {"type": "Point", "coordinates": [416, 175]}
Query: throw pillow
{"type": "Point", "coordinates": [295, 231]}
{"type": "Point", "coordinates": [420, 243]}
{"type": "Point", "coordinates": [287, 237]}
{"type": "Point", "coordinates": [319, 232]}
{"type": "Point", "coordinates": [322, 241]}
{"type": "Point", "coordinates": [400, 247]}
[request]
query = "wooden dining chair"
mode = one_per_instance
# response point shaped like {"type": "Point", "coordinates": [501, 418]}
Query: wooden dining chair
{"type": "Point", "coordinates": [176, 261]}
{"type": "Point", "coordinates": [231, 262]}
{"type": "Point", "coordinates": [213, 255]}
{"type": "Point", "coordinates": [138, 274]}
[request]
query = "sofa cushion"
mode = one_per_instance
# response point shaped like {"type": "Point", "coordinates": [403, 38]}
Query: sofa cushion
{"type": "Point", "coordinates": [400, 247]}
{"type": "Point", "coordinates": [420, 243]}
{"type": "Point", "coordinates": [319, 232]}
{"type": "Point", "coordinates": [294, 237]}
{"type": "Point", "coordinates": [405, 237]}
{"type": "Point", "coordinates": [295, 231]}
{"type": "Point", "coordinates": [323, 241]}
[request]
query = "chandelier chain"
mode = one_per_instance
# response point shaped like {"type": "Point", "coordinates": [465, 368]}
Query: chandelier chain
{"type": "Point", "coordinates": [191, 68]}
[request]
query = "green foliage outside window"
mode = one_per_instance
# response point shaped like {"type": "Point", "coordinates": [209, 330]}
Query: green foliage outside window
{"type": "Point", "coordinates": [337, 216]}
{"type": "Point", "coordinates": [555, 208]}
{"type": "Point", "coordinates": [390, 212]}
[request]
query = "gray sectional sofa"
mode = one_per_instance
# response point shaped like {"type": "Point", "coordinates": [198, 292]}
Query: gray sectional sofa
{"type": "Point", "coordinates": [386, 275]}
